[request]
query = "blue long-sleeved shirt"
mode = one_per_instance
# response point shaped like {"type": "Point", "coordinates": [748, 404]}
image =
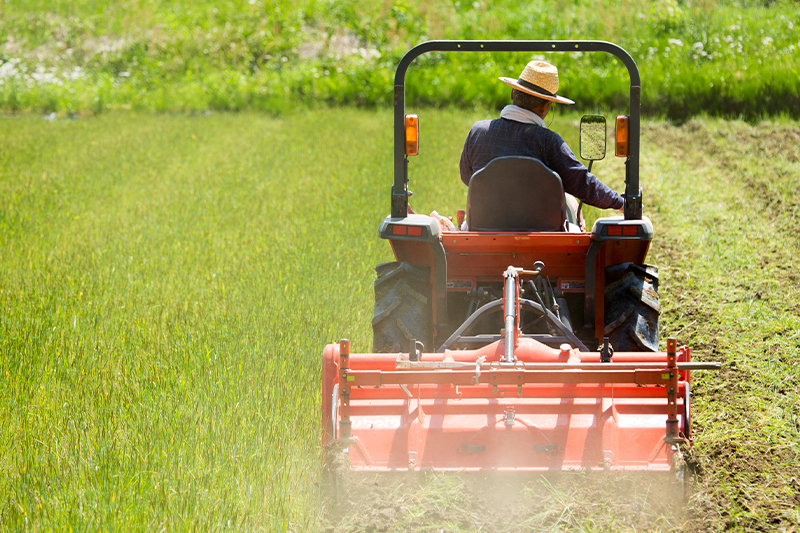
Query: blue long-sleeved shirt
{"type": "Point", "coordinates": [489, 139]}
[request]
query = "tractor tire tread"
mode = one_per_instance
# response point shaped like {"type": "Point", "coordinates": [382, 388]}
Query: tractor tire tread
{"type": "Point", "coordinates": [402, 307]}
{"type": "Point", "coordinates": [632, 307]}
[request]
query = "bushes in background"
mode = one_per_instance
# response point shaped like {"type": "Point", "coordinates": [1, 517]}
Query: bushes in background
{"type": "Point", "coordinates": [734, 58]}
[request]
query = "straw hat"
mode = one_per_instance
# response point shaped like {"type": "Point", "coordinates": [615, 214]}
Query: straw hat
{"type": "Point", "coordinates": [539, 78]}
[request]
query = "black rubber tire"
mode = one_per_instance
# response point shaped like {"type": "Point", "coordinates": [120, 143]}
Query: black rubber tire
{"type": "Point", "coordinates": [632, 307]}
{"type": "Point", "coordinates": [403, 308]}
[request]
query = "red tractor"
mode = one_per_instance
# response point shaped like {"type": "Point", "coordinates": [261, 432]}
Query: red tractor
{"type": "Point", "coordinates": [486, 340]}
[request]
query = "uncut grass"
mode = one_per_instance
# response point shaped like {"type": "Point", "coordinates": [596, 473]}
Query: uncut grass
{"type": "Point", "coordinates": [169, 284]}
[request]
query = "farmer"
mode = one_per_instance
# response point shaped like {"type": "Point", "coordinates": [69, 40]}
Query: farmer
{"type": "Point", "coordinates": [521, 131]}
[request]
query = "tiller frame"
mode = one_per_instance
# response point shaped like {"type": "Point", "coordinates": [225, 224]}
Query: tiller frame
{"type": "Point", "coordinates": [560, 409]}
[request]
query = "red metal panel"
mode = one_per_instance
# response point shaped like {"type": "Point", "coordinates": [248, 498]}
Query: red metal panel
{"type": "Point", "coordinates": [545, 435]}
{"type": "Point", "coordinates": [507, 418]}
{"type": "Point", "coordinates": [486, 255]}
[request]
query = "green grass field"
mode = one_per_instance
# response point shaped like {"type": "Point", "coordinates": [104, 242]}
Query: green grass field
{"type": "Point", "coordinates": [169, 283]}
{"type": "Point", "coordinates": [731, 58]}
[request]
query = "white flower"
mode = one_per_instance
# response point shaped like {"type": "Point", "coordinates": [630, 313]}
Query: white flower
{"type": "Point", "coordinates": [9, 69]}
{"type": "Point", "coordinates": [676, 42]}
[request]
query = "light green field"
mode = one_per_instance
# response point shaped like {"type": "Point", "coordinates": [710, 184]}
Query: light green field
{"type": "Point", "coordinates": [169, 283]}
{"type": "Point", "coordinates": [168, 286]}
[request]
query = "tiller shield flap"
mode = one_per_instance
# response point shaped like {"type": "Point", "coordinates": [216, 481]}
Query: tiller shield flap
{"type": "Point", "coordinates": [468, 410]}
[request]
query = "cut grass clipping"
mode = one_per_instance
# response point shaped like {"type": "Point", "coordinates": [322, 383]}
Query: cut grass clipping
{"type": "Point", "coordinates": [170, 282]}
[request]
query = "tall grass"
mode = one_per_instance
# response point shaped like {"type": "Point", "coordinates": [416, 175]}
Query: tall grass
{"type": "Point", "coordinates": [168, 287]}
{"type": "Point", "coordinates": [737, 57]}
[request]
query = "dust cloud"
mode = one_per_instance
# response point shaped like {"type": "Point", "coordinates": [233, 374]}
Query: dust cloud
{"type": "Point", "coordinates": [505, 502]}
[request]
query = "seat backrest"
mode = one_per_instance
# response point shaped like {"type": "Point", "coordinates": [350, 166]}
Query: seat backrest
{"type": "Point", "coordinates": [516, 194]}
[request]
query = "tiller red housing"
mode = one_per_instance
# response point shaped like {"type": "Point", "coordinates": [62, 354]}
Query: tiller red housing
{"type": "Point", "coordinates": [468, 410]}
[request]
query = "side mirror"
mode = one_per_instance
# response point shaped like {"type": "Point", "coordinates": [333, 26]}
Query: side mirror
{"type": "Point", "coordinates": [593, 137]}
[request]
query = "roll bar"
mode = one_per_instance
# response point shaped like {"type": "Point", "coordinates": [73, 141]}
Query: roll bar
{"type": "Point", "coordinates": [633, 197]}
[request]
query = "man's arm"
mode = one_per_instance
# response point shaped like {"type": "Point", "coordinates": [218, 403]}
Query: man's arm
{"type": "Point", "coordinates": [578, 181]}
{"type": "Point", "coordinates": [465, 166]}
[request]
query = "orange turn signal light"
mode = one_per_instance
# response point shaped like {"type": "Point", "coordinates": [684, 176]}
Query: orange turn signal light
{"type": "Point", "coordinates": [618, 231]}
{"type": "Point", "coordinates": [632, 231]}
{"type": "Point", "coordinates": [622, 136]}
{"type": "Point", "coordinates": [414, 231]}
{"type": "Point", "coordinates": [412, 135]}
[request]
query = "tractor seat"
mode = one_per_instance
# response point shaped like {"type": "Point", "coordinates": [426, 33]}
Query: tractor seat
{"type": "Point", "coordinates": [516, 194]}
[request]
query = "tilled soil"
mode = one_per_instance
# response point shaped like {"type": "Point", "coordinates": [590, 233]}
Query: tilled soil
{"type": "Point", "coordinates": [732, 293]}
{"type": "Point", "coordinates": [506, 502]}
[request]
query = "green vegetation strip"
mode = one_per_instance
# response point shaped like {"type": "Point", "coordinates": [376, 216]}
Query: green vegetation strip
{"type": "Point", "coordinates": [733, 58]}
{"type": "Point", "coordinates": [724, 202]}
{"type": "Point", "coordinates": [170, 282]}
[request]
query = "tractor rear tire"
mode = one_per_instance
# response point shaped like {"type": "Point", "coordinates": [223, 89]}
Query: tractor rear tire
{"type": "Point", "coordinates": [403, 307]}
{"type": "Point", "coordinates": [632, 307]}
